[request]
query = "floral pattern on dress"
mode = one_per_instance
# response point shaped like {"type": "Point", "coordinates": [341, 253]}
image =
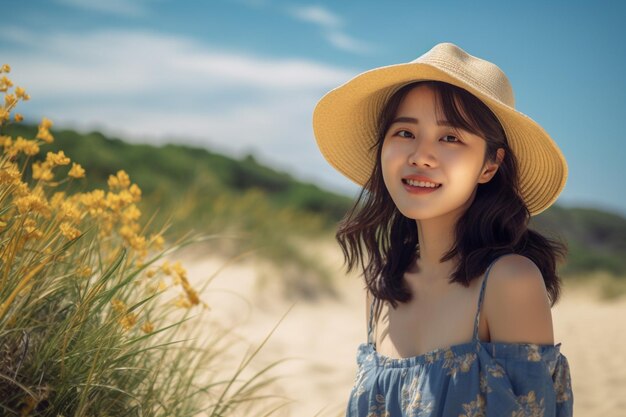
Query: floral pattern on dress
{"type": "Point", "coordinates": [466, 380]}
{"type": "Point", "coordinates": [475, 408]}
{"type": "Point", "coordinates": [533, 353]}
{"type": "Point", "coordinates": [359, 380]}
{"type": "Point", "coordinates": [495, 370]}
{"type": "Point", "coordinates": [379, 409]}
{"type": "Point", "coordinates": [562, 383]}
{"type": "Point", "coordinates": [484, 386]}
{"type": "Point", "coordinates": [411, 398]}
{"type": "Point", "coordinates": [529, 405]}
{"type": "Point", "coordinates": [455, 363]}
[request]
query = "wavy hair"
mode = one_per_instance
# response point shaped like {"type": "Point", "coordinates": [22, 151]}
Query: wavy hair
{"type": "Point", "coordinates": [495, 224]}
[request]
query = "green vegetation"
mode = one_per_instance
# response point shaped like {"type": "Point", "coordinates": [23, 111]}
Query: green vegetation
{"type": "Point", "coordinates": [89, 324]}
{"type": "Point", "coordinates": [199, 190]}
{"type": "Point", "coordinates": [264, 208]}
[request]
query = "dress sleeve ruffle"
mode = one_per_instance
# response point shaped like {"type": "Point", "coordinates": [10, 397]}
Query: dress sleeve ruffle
{"type": "Point", "coordinates": [523, 380]}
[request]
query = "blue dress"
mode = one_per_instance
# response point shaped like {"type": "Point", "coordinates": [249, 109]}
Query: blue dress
{"type": "Point", "coordinates": [470, 379]}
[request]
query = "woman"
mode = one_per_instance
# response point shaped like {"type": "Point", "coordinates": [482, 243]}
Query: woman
{"type": "Point", "coordinates": [451, 174]}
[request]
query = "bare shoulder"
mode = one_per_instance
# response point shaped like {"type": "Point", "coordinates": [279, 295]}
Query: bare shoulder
{"type": "Point", "coordinates": [516, 302]}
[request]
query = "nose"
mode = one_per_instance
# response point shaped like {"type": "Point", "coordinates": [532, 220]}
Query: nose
{"type": "Point", "coordinates": [423, 152]}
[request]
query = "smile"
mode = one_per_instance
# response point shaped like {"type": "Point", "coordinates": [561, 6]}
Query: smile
{"type": "Point", "coordinates": [420, 183]}
{"type": "Point", "coordinates": [420, 187]}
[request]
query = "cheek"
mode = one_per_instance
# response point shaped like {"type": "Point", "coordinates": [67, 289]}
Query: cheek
{"type": "Point", "coordinates": [388, 160]}
{"type": "Point", "coordinates": [390, 153]}
{"type": "Point", "coordinates": [464, 170]}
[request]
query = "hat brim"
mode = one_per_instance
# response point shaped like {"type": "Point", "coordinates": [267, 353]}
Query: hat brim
{"type": "Point", "coordinates": [344, 124]}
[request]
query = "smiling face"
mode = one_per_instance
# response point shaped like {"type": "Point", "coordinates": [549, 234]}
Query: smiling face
{"type": "Point", "coordinates": [418, 142]}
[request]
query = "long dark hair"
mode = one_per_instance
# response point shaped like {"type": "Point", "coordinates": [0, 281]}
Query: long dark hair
{"type": "Point", "coordinates": [495, 224]}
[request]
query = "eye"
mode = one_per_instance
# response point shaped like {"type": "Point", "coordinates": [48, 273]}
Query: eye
{"type": "Point", "coordinates": [452, 136]}
{"type": "Point", "coordinates": [400, 131]}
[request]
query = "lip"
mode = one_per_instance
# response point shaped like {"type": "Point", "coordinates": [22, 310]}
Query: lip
{"type": "Point", "coordinates": [420, 178]}
{"type": "Point", "coordinates": [420, 190]}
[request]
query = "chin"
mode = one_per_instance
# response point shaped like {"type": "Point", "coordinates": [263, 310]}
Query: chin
{"type": "Point", "coordinates": [415, 214]}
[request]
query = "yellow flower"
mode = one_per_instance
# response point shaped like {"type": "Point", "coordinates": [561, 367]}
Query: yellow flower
{"type": "Point", "coordinates": [21, 190]}
{"type": "Point", "coordinates": [181, 278]}
{"type": "Point", "coordinates": [178, 268]}
{"type": "Point", "coordinates": [94, 201]}
{"type": "Point", "coordinates": [125, 197]}
{"type": "Point", "coordinates": [70, 210]}
{"type": "Point", "coordinates": [192, 295]}
{"type": "Point", "coordinates": [46, 123]}
{"type": "Point", "coordinates": [85, 272]}
{"type": "Point", "coordinates": [10, 100]}
{"type": "Point", "coordinates": [29, 147]}
{"type": "Point", "coordinates": [128, 321]}
{"type": "Point", "coordinates": [5, 68]}
{"type": "Point", "coordinates": [77, 171]}
{"type": "Point", "coordinates": [45, 135]}
{"type": "Point", "coordinates": [58, 158]}
{"type": "Point", "coordinates": [44, 132]}
{"type": "Point", "coordinates": [19, 92]}
{"type": "Point", "coordinates": [135, 191]}
{"type": "Point", "coordinates": [182, 302]}
{"type": "Point", "coordinates": [118, 305]}
{"type": "Point", "coordinates": [159, 286]}
{"type": "Point", "coordinates": [18, 117]}
{"type": "Point", "coordinates": [33, 203]}
{"type": "Point", "coordinates": [69, 231]}
{"type": "Point", "coordinates": [10, 174]}
{"type": "Point", "coordinates": [42, 171]}
{"type": "Point", "coordinates": [131, 213]}
{"type": "Point", "coordinates": [147, 327]}
{"type": "Point", "coordinates": [127, 232]}
{"type": "Point", "coordinates": [137, 242]}
{"type": "Point", "coordinates": [113, 201]}
{"type": "Point", "coordinates": [5, 83]}
{"type": "Point", "coordinates": [57, 200]}
{"type": "Point", "coordinates": [157, 241]}
{"type": "Point", "coordinates": [165, 267]}
{"type": "Point", "coordinates": [30, 226]}
{"type": "Point", "coordinates": [119, 180]}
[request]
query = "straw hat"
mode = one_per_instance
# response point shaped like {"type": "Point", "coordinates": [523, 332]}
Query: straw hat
{"type": "Point", "coordinates": [344, 120]}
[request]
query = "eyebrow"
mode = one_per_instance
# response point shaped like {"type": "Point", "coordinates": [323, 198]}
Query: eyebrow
{"type": "Point", "coordinates": [416, 121]}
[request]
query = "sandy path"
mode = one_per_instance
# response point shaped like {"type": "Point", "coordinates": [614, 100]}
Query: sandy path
{"type": "Point", "coordinates": [322, 337]}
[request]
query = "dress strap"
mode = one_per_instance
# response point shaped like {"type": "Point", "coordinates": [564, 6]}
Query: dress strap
{"type": "Point", "coordinates": [482, 293]}
{"type": "Point", "coordinates": [370, 325]}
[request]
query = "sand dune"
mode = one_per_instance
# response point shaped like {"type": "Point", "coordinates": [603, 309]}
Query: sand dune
{"type": "Point", "coordinates": [322, 337]}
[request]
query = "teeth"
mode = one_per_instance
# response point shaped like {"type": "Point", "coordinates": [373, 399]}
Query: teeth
{"type": "Point", "coordinates": [422, 184]}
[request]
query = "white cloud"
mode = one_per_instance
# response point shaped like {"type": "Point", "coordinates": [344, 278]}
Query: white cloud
{"type": "Point", "coordinates": [129, 8]}
{"type": "Point", "coordinates": [129, 62]}
{"type": "Point", "coordinates": [315, 14]}
{"type": "Point", "coordinates": [343, 41]}
{"type": "Point", "coordinates": [329, 24]}
{"type": "Point", "coordinates": [149, 87]}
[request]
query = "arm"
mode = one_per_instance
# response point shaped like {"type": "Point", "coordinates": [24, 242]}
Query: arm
{"type": "Point", "coordinates": [518, 312]}
{"type": "Point", "coordinates": [517, 304]}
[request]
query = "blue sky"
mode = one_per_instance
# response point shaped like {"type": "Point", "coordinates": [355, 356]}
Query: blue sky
{"type": "Point", "coordinates": [243, 76]}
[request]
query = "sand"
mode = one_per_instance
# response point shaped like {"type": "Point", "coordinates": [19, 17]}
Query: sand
{"type": "Point", "coordinates": [321, 337]}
